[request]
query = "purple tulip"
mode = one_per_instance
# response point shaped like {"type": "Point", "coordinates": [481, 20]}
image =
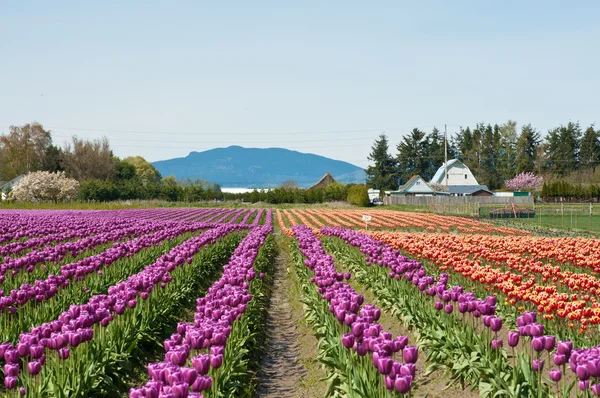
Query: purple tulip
{"type": "Point", "coordinates": [538, 365]}
{"type": "Point", "coordinates": [496, 324]}
{"type": "Point", "coordinates": [537, 343]}
{"type": "Point", "coordinates": [64, 353]}
{"type": "Point", "coordinates": [216, 361]}
{"type": "Point", "coordinates": [448, 308]}
{"type": "Point", "coordinates": [439, 305]}
{"type": "Point", "coordinates": [556, 375]}
{"type": "Point", "coordinates": [403, 384]}
{"type": "Point", "coordinates": [536, 330]}
{"type": "Point", "coordinates": [513, 339]}
{"type": "Point", "coordinates": [549, 343]}
{"type": "Point", "coordinates": [497, 344]}
{"type": "Point", "coordinates": [348, 340]}
{"type": "Point", "coordinates": [34, 367]}
{"type": "Point", "coordinates": [389, 382]}
{"type": "Point", "coordinates": [582, 373]}
{"type": "Point", "coordinates": [410, 354]}
{"type": "Point", "coordinates": [11, 369]}
{"type": "Point", "coordinates": [10, 382]}
{"type": "Point", "coordinates": [559, 359]}
{"type": "Point", "coordinates": [564, 348]}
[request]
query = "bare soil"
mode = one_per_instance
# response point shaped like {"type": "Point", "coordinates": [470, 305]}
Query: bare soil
{"type": "Point", "coordinates": [289, 367]}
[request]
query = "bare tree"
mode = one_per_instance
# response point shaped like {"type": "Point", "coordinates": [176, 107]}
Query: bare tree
{"type": "Point", "coordinates": [86, 159]}
{"type": "Point", "coordinates": [23, 149]}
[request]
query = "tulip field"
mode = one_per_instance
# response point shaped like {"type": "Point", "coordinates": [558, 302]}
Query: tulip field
{"type": "Point", "coordinates": [173, 303]}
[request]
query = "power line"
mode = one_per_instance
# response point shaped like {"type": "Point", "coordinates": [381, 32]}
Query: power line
{"type": "Point", "coordinates": [211, 133]}
{"type": "Point", "coordinates": [236, 143]}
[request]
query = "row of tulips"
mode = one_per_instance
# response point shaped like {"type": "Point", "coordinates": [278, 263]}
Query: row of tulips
{"type": "Point", "coordinates": [18, 224]}
{"type": "Point", "coordinates": [42, 290]}
{"type": "Point", "coordinates": [79, 292]}
{"type": "Point", "coordinates": [82, 323]}
{"type": "Point", "coordinates": [13, 266]}
{"type": "Point", "coordinates": [78, 228]}
{"type": "Point", "coordinates": [363, 335]}
{"type": "Point", "coordinates": [198, 348]}
{"type": "Point", "coordinates": [472, 356]}
{"type": "Point", "coordinates": [383, 219]}
{"type": "Point", "coordinates": [519, 293]}
{"type": "Point", "coordinates": [526, 376]}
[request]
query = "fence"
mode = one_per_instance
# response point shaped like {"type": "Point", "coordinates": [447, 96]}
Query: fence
{"type": "Point", "coordinates": [437, 201]}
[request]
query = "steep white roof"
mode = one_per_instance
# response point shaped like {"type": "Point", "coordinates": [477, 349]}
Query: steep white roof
{"type": "Point", "coordinates": [439, 174]}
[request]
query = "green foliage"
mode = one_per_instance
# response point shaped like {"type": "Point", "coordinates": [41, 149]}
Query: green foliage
{"type": "Point", "coordinates": [563, 149]}
{"type": "Point", "coordinates": [358, 195]}
{"type": "Point", "coordinates": [347, 373]}
{"type": "Point", "coordinates": [412, 156]}
{"type": "Point", "coordinates": [590, 148]}
{"type": "Point", "coordinates": [382, 174]}
{"type": "Point", "coordinates": [467, 357]}
{"type": "Point", "coordinates": [567, 191]}
{"type": "Point", "coordinates": [331, 193]}
{"type": "Point", "coordinates": [144, 169]}
{"type": "Point", "coordinates": [525, 157]}
{"type": "Point", "coordinates": [246, 342]}
{"type": "Point", "coordinates": [100, 367]}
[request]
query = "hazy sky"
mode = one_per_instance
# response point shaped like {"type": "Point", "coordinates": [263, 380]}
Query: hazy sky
{"type": "Point", "coordinates": [160, 79]}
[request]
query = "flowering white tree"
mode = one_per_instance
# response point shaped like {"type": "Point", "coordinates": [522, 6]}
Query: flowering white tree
{"type": "Point", "coordinates": [525, 180]}
{"type": "Point", "coordinates": [43, 186]}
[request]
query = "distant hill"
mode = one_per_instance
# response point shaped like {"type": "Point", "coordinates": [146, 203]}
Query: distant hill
{"type": "Point", "coordinates": [238, 167]}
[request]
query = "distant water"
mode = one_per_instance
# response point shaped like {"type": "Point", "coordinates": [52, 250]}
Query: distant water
{"type": "Point", "coordinates": [241, 190]}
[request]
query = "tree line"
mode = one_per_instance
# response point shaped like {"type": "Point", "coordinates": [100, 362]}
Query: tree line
{"type": "Point", "coordinates": [494, 153]}
{"type": "Point", "coordinates": [102, 176]}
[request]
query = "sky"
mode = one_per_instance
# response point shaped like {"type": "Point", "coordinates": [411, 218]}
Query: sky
{"type": "Point", "coordinates": [161, 79]}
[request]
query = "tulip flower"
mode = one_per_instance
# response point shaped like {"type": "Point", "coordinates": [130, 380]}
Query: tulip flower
{"type": "Point", "coordinates": [538, 365]}
{"type": "Point", "coordinates": [537, 343]}
{"type": "Point", "coordinates": [556, 375]}
{"type": "Point", "coordinates": [403, 384]}
{"type": "Point", "coordinates": [513, 339]}
{"type": "Point", "coordinates": [496, 324]}
{"type": "Point", "coordinates": [410, 354]}
{"type": "Point", "coordinates": [497, 344]}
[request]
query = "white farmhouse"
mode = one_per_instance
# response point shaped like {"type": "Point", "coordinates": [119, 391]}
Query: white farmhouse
{"type": "Point", "coordinates": [458, 174]}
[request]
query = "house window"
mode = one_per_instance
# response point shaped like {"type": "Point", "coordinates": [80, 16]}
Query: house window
{"type": "Point", "coordinates": [418, 182]}
{"type": "Point", "coordinates": [465, 176]}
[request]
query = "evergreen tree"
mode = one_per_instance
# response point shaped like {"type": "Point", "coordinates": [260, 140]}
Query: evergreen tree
{"type": "Point", "coordinates": [52, 159]}
{"type": "Point", "coordinates": [525, 156]}
{"type": "Point", "coordinates": [412, 155]}
{"type": "Point", "coordinates": [472, 156]}
{"type": "Point", "coordinates": [507, 151]}
{"type": "Point", "coordinates": [382, 174]}
{"type": "Point", "coordinates": [563, 148]}
{"type": "Point", "coordinates": [488, 157]}
{"type": "Point", "coordinates": [590, 148]}
{"type": "Point", "coordinates": [435, 153]}
{"type": "Point", "coordinates": [463, 143]}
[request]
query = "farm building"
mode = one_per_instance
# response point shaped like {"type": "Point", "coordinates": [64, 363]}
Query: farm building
{"type": "Point", "coordinates": [5, 187]}
{"type": "Point", "coordinates": [458, 174]}
{"type": "Point", "coordinates": [415, 186]}
{"type": "Point", "coordinates": [469, 190]}
{"type": "Point", "coordinates": [326, 180]}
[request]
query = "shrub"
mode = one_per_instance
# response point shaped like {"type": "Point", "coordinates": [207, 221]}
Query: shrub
{"type": "Point", "coordinates": [358, 195]}
{"type": "Point", "coordinates": [43, 186]}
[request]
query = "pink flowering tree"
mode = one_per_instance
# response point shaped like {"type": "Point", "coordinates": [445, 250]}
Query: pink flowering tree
{"type": "Point", "coordinates": [524, 181]}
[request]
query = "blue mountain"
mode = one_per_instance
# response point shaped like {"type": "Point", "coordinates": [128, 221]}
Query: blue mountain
{"type": "Point", "coordinates": [238, 167]}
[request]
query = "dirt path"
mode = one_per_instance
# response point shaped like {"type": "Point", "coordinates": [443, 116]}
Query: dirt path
{"type": "Point", "coordinates": [281, 371]}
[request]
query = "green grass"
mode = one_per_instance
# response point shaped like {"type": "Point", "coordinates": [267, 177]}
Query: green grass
{"type": "Point", "coordinates": [575, 220]}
